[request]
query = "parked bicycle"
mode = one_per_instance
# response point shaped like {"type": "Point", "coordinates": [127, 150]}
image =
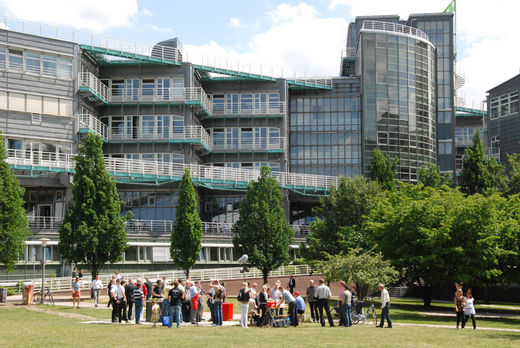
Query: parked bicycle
{"type": "Point", "coordinates": [360, 316]}
{"type": "Point", "coordinates": [48, 297]}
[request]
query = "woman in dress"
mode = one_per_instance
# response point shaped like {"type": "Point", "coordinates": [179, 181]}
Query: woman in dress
{"type": "Point", "coordinates": [459, 307]}
{"type": "Point", "coordinates": [469, 309]}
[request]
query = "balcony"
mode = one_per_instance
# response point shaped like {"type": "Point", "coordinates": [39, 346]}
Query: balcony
{"type": "Point", "coordinates": [463, 141]}
{"type": "Point", "coordinates": [130, 170]}
{"type": "Point", "coordinates": [97, 91]}
{"type": "Point", "coordinates": [394, 27]}
{"type": "Point", "coordinates": [91, 124]}
{"type": "Point", "coordinates": [186, 134]}
{"type": "Point", "coordinates": [156, 228]}
{"type": "Point", "coordinates": [248, 109]}
{"type": "Point", "coordinates": [271, 145]}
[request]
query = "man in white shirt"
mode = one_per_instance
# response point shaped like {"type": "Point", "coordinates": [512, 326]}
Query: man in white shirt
{"type": "Point", "coordinates": [96, 287]}
{"type": "Point", "coordinates": [118, 299]}
{"type": "Point", "coordinates": [322, 295]}
{"type": "Point", "coordinates": [385, 307]}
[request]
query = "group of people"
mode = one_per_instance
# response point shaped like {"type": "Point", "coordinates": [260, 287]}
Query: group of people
{"type": "Point", "coordinates": [464, 308]}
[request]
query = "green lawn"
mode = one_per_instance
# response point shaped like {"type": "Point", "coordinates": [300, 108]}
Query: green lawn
{"type": "Point", "coordinates": [20, 327]}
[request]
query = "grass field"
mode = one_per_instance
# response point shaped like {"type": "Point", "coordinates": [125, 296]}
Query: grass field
{"type": "Point", "coordinates": [41, 326]}
{"type": "Point", "coordinates": [21, 327]}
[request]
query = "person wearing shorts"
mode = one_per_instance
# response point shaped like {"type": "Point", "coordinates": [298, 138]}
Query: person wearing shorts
{"type": "Point", "coordinates": [76, 292]}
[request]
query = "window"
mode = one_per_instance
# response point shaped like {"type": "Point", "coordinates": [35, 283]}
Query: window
{"type": "Point", "coordinates": [218, 136]}
{"type": "Point", "coordinates": [15, 60]}
{"type": "Point", "coordinates": [65, 68]}
{"type": "Point", "coordinates": [504, 105]}
{"type": "Point", "coordinates": [445, 149]}
{"type": "Point", "coordinates": [218, 103]}
{"type": "Point", "coordinates": [32, 62]}
{"type": "Point", "coordinates": [3, 52]}
{"type": "Point", "coordinates": [148, 88]}
{"type": "Point", "coordinates": [49, 66]}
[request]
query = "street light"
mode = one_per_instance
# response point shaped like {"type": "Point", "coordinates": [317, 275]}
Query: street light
{"type": "Point", "coordinates": [44, 244]}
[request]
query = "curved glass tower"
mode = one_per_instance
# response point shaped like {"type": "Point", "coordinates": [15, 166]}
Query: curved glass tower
{"type": "Point", "coordinates": [397, 68]}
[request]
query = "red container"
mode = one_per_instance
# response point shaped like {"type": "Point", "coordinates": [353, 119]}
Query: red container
{"type": "Point", "coordinates": [271, 304]}
{"type": "Point", "coordinates": [227, 311]}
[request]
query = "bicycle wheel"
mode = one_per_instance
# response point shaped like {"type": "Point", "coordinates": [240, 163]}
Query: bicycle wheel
{"type": "Point", "coordinates": [49, 299]}
{"type": "Point", "coordinates": [374, 316]}
{"type": "Point", "coordinates": [355, 319]}
{"type": "Point", "coordinates": [37, 298]}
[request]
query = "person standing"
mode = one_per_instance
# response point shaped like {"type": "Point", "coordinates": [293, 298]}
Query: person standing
{"type": "Point", "coordinates": [346, 299]}
{"type": "Point", "coordinates": [459, 306]}
{"type": "Point", "coordinates": [74, 273]}
{"type": "Point", "coordinates": [263, 296]}
{"type": "Point", "coordinates": [385, 307]}
{"type": "Point", "coordinates": [243, 297]}
{"type": "Point", "coordinates": [292, 284]}
{"type": "Point", "coordinates": [76, 292]}
{"type": "Point", "coordinates": [149, 285]}
{"type": "Point", "coordinates": [129, 293]}
{"type": "Point", "coordinates": [138, 297]}
{"type": "Point", "coordinates": [110, 284]}
{"type": "Point", "coordinates": [118, 298]}
{"type": "Point", "coordinates": [469, 309]}
{"type": "Point", "coordinates": [217, 303]}
{"type": "Point", "coordinates": [322, 295]}
{"type": "Point", "coordinates": [200, 309]}
{"type": "Point", "coordinates": [311, 290]}
{"type": "Point", "coordinates": [288, 298]}
{"type": "Point", "coordinates": [175, 297]}
{"type": "Point", "coordinates": [194, 299]}
{"type": "Point", "coordinates": [96, 288]}
{"type": "Point", "coordinates": [124, 302]}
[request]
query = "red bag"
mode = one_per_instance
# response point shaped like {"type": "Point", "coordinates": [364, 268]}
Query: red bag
{"type": "Point", "coordinates": [195, 302]}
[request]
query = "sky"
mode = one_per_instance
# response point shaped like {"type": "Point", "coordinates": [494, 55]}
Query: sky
{"type": "Point", "coordinates": [306, 36]}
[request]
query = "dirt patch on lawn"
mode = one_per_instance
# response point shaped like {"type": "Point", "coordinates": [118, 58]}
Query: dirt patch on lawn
{"type": "Point", "coordinates": [60, 314]}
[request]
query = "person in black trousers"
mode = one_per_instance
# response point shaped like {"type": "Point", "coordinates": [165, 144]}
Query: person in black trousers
{"type": "Point", "coordinates": [129, 293]}
{"type": "Point", "coordinates": [322, 295]}
{"type": "Point", "coordinates": [292, 284]}
{"type": "Point", "coordinates": [311, 291]}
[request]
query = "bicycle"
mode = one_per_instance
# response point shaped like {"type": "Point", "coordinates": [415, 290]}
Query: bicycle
{"type": "Point", "coordinates": [371, 312]}
{"type": "Point", "coordinates": [360, 316]}
{"type": "Point", "coordinates": [48, 297]}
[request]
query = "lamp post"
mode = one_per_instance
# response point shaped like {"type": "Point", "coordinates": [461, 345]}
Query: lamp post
{"type": "Point", "coordinates": [44, 244]}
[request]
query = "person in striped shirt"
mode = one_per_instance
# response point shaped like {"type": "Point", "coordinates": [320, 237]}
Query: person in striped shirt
{"type": "Point", "coordinates": [138, 298]}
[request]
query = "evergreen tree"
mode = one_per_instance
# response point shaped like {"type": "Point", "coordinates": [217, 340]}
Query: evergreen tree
{"type": "Point", "coordinates": [262, 231]}
{"type": "Point", "coordinates": [432, 177]}
{"type": "Point", "coordinates": [93, 230]}
{"type": "Point", "coordinates": [13, 217]}
{"type": "Point", "coordinates": [186, 237]}
{"type": "Point", "coordinates": [383, 170]}
{"type": "Point", "coordinates": [339, 227]}
{"type": "Point", "coordinates": [479, 173]}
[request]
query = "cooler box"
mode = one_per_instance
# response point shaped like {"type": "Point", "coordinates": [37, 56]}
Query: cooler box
{"type": "Point", "coordinates": [28, 294]}
{"type": "Point", "coordinates": [271, 304]}
{"type": "Point", "coordinates": [227, 311]}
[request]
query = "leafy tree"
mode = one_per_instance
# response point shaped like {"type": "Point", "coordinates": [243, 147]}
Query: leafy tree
{"type": "Point", "coordinates": [514, 173]}
{"type": "Point", "coordinates": [13, 217]}
{"type": "Point", "coordinates": [365, 269]}
{"type": "Point", "coordinates": [93, 230]}
{"type": "Point", "coordinates": [439, 236]}
{"type": "Point", "coordinates": [341, 214]}
{"type": "Point", "coordinates": [480, 174]}
{"type": "Point", "coordinates": [432, 177]}
{"type": "Point", "coordinates": [262, 231]}
{"type": "Point", "coordinates": [186, 237]}
{"type": "Point", "coordinates": [383, 170]}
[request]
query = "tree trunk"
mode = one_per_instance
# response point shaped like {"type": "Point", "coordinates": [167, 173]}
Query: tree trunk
{"type": "Point", "coordinates": [187, 273]}
{"type": "Point", "coordinates": [427, 295]}
{"type": "Point", "coordinates": [265, 274]}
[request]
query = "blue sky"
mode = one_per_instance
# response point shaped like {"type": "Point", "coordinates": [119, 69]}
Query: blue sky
{"type": "Point", "coordinates": [304, 35]}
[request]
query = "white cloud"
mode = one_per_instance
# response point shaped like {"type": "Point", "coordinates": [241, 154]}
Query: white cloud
{"type": "Point", "coordinates": [488, 33]}
{"type": "Point", "coordinates": [234, 22]}
{"type": "Point", "coordinates": [146, 12]}
{"type": "Point", "coordinates": [298, 39]}
{"type": "Point", "coordinates": [95, 15]}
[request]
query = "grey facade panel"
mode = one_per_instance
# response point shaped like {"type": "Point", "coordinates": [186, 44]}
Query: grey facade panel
{"type": "Point", "coordinates": [20, 125]}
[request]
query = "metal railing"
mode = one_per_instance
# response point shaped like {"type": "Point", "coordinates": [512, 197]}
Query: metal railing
{"type": "Point", "coordinates": [394, 27]}
{"type": "Point", "coordinates": [172, 94]}
{"type": "Point", "coordinates": [128, 48]}
{"type": "Point", "coordinates": [90, 81]}
{"type": "Point", "coordinates": [263, 108]}
{"type": "Point", "coordinates": [464, 141]}
{"type": "Point", "coordinates": [248, 144]}
{"type": "Point", "coordinates": [94, 125]}
{"type": "Point", "coordinates": [44, 223]}
{"type": "Point", "coordinates": [205, 275]}
{"type": "Point", "coordinates": [188, 133]}
{"type": "Point", "coordinates": [128, 168]}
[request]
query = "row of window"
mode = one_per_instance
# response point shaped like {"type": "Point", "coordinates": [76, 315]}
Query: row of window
{"type": "Point", "coordinates": [146, 126]}
{"type": "Point", "coordinates": [163, 88]}
{"type": "Point", "coordinates": [237, 138]}
{"type": "Point", "coordinates": [247, 103]}
{"type": "Point", "coordinates": [35, 63]}
{"type": "Point", "coordinates": [170, 157]}
{"type": "Point", "coordinates": [504, 105]}
{"type": "Point", "coordinates": [275, 166]}
{"type": "Point", "coordinates": [325, 104]}
{"type": "Point", "coordinates": [36, 104]}
{"type": "Point", "coordinates": [464, 135]}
